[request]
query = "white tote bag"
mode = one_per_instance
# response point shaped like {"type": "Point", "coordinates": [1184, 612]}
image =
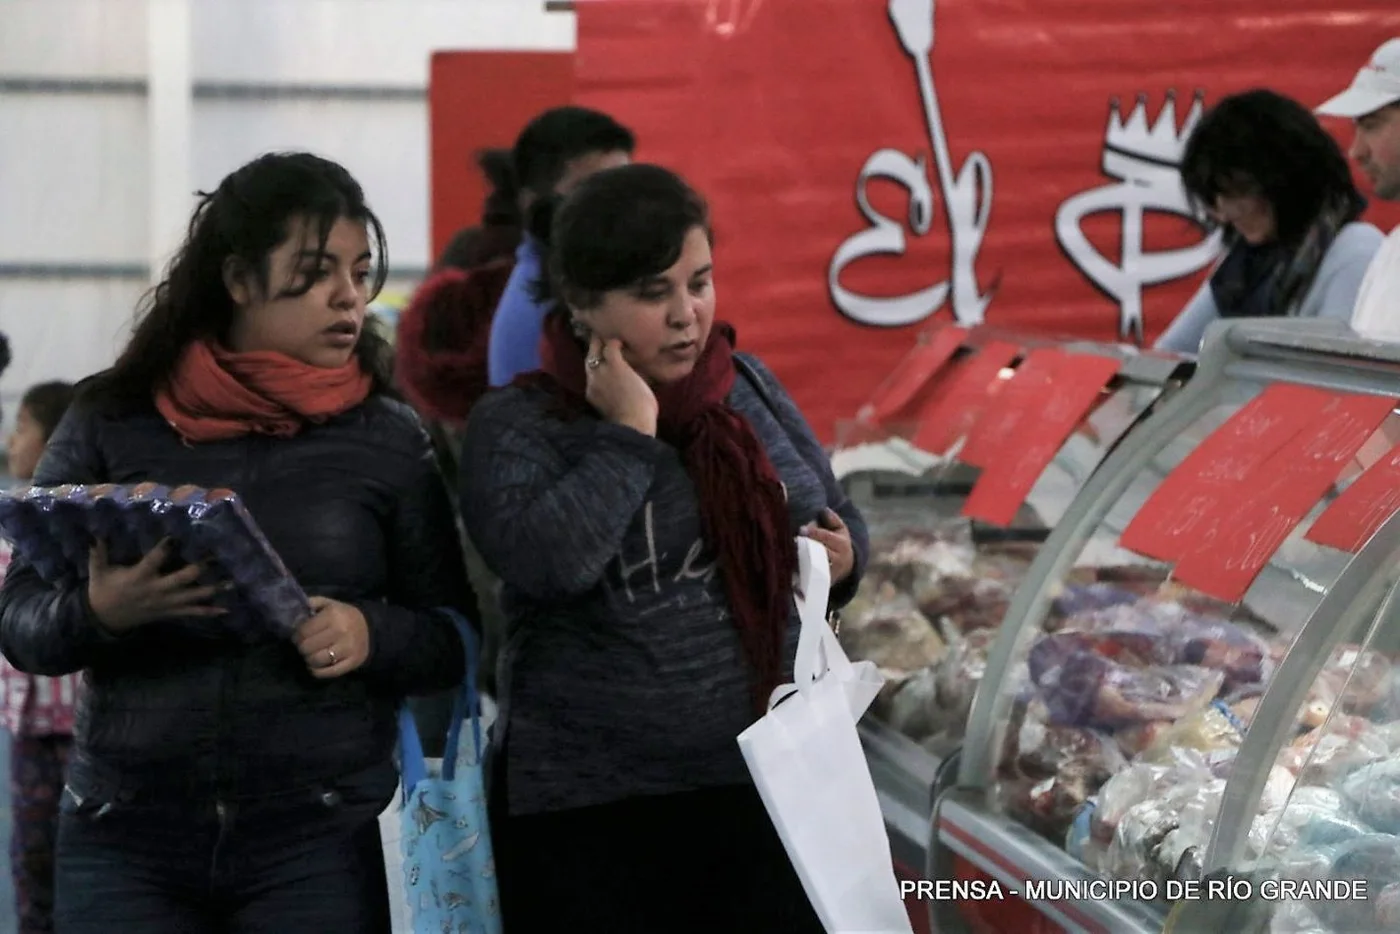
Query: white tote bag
{"type": "Point", "coordinates": [807, 762]}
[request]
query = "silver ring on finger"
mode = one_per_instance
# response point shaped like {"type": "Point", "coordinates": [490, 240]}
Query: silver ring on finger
{"type": "Point", "coordinates": [330, 653]}
{"type": "Point", "coordinates": [593, 362]}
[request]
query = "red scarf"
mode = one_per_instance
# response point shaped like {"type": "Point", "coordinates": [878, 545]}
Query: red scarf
{"type": "Point", "coordinates": [215, 394]}
{"type": "Point", "coordinates": [743, 506]}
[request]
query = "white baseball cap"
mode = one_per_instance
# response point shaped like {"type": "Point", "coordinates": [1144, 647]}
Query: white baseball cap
{"type": "Point", "coordinates": [1376, 85]}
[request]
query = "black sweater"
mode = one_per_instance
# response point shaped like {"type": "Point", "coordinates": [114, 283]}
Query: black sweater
{"type": "Point", "coordinates": [623, 674]}
{"type": "Point", "coordinates": [357, 510]}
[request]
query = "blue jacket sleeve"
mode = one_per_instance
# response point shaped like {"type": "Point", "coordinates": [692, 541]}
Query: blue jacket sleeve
{"type": "Point", "coordinates": [516, 328]}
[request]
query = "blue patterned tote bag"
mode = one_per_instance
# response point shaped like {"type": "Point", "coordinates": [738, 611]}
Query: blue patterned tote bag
{"type": "Point", "coordinates": [442, 879]}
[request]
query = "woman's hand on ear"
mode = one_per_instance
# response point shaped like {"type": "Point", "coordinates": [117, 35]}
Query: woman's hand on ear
{"type": "Point", "coordinates": [616, 390]}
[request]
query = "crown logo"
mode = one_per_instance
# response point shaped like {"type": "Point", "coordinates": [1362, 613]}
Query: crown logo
{"type": "Point", "coordinates": [1160, 144]}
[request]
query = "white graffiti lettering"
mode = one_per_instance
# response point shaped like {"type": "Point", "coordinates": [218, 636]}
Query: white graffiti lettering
{"type": "Point", "coordinates": [1145, 162]}
{"type": "Point", "coordinates": [967, 197]}
{"type": "Point", "coordinates": [651, 562]}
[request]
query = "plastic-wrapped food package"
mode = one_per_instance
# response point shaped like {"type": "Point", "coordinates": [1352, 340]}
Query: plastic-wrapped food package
{"type": "Point", "coordinates": [1172, 634]}
{"type": "Point", "coordinates": [67, 524]}
{"type": "Point", "coordinates": [1374, 858]}
{"type": "Point", "coordinates": [109, 521]}
{"type": "Point", "coordinates": [1077, 599]}
{"type": "Point", "coordinates": [213, 529]}
{"type": "Point", "coordinates": [1361, 680]}
{"type": "Point", "coordinates": [1296, 918]}
{"type": "Point", "coordinates": [146, 504]}
{"type": "Point", "coordinates": [916, 558]}
{"type": "Point", "coordinates": [1212, 729]}
{"type": "Point", "coordinates": [912, 708]}
{"type": "Point", "coordinates": [969, 602]}
{"type": "Point", "coordinates": [1083, 686]}
{"type": "Point", "coordinates": [1388, 907]}
{"type": "Point", "coordinates": [891, 632]}
{"type": "Point", "coordinates": [1054, 770]}
{"type": "Point", "coordinates": [1138, 782]}
{"type": "Point", "coordinates": [1322, 756]}
{"type": "Point", "coordinates": [22, 523]}
{"type": "Point", "coordinates": [1314, 818]}
{"type": "Point", "coordinates": [220, 523]}
{"type": "Point", "coordinates": [1180, 854]}
{"type": "Point", "coordinates": [1374, 791]}
{"type": "Point", "coordinates": [1143, 844]}
{"type": "Point", "coordinates": [958, 674]}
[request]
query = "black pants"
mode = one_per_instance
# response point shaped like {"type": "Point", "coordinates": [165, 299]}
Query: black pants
{"type": "Point", "coordinates": [308, 863]}
{"type": "Point", "coordinates": [703, 861]}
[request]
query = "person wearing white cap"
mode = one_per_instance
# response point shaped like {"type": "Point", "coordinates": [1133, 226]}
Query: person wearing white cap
{"type": "Point", "coordinates": [1373, 101]}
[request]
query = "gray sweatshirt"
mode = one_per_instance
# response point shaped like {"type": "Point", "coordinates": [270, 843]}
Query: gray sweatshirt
{"type": "Point", "coordinates": [623, 674]}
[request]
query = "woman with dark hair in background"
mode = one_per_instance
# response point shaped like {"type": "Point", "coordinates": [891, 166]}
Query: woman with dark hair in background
{"type": "Point", "coordinates": [38, 712]}
{"type": "Point", "coordinates": [639, 499]}
{"type": "Point", "coordinates": [221, 782]}
{"type": "Point", "coordinates": [1263, 167]}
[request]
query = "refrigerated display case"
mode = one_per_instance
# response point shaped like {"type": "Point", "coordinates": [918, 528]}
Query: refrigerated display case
{"type": "Point", "coordinates": [938, 581]}
{"type": "Point", "coordinates": [1150, 728]}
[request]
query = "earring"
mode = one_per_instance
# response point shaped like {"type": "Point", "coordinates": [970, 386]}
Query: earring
{"type": "Point", "coordinates": [579, 328]}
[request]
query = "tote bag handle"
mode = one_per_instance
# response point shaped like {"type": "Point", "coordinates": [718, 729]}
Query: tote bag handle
{"type": "Point", "coordinates": [412, 763]}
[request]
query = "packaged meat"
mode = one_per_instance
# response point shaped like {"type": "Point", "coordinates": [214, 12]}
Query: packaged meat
{"type": "Point", "coordinates": [1053, 770]}
{"type": "Point", "coordinates": [1082, 686]}
{"type": "Point", "coordinates": [1176, 635]}
{"type": "Point", "coordinates": [1077, 599]}
{"type": "Point", "coordinates": [917, 559]}
{"type": "Point", "coordinates": [968, 602]}
{"type": "Point", "coordinates": [891, 632]}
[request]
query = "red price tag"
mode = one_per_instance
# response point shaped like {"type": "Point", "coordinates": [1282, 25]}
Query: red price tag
{"type": "Point", "coordinates": [962, 396]}
{"type": "Point", "coordinates": [1177, 515]}
{"type": "Point", "coordinates": [1027, 424]}
{"type": "Point", "coordinates": [1012, 405]}
{"type": "Point", "coordinates": [1362, 508]}
{"type": "Point", "coordinates": [915, 372]}
{"type": "Point", "coordinates": [1271, 503]}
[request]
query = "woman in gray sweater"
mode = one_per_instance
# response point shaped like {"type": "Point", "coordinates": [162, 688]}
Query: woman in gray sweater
{"type": "Point", "coordinates": [639, 498]}
{"type": "Point", "coordinates": [1260, 165]}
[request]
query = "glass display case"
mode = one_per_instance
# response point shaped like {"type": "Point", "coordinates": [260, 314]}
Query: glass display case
{"type": "Point", "coordinates": [939, 581]}
{"type": "Point", "coordinates": [1188, 652]}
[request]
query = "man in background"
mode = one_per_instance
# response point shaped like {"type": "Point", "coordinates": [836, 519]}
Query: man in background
{"type": "Point", "coordinates": [554, 152]}
{"type": "Point", "coordinates": [1373, 102]}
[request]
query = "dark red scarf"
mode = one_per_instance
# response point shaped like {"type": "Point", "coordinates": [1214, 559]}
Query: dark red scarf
{"type": "Point", "coordinates": [743, 506]}
{"type": "Point", "coordinates": [216, 394]}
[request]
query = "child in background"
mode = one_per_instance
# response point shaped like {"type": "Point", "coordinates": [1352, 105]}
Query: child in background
{"type": "Point", "coordinates": [37, 711]}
